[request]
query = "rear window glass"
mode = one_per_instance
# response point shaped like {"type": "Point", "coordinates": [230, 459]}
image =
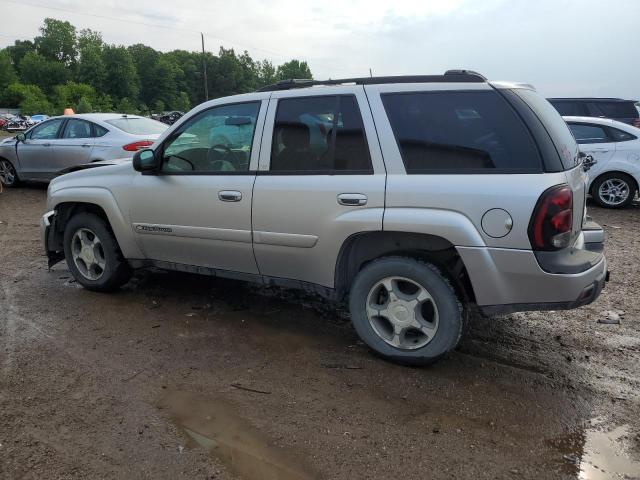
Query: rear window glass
{"type": "Point", "coordinates": [554, 124]}
{"type": "Point", "coordinates": [460, 132]}
{"type": "Point", "coordinates": [138, 126]}
{"type": "Point", "coordinates": [614, 109]}
{"type": "Point", "coordinates": [569, 109]}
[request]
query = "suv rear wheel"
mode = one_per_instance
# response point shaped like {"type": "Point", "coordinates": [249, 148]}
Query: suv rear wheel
{"type": "Point", "coordinates": [405, 310]}
{"type": "Point", "coordinates": [93, 255]}
{"type": "Point", "coordinates": [613, 190]}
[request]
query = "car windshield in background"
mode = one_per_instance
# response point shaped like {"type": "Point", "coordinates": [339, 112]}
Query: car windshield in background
{"type": "Point", "coordinates": [138, 126]}
{"type": "Point", "coordinates": [558, 130]}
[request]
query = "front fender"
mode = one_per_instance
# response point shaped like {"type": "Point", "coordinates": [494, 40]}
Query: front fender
{"type": "Point", "coordinates": [104, 199]}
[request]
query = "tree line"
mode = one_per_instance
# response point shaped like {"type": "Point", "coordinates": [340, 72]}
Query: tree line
{"type": "Point", "coordinates": [65, 68]}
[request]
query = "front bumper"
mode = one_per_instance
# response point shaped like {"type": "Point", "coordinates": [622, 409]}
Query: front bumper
{"type": "Point", "coordinates": [47, 226]}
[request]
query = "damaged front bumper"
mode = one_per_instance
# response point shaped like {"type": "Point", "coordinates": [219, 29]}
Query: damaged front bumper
{"type": "Point", "coordinates": [53, 251]}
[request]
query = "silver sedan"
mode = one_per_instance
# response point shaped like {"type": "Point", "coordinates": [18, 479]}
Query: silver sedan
{"type": "Point", "coordinates": [62, 142]}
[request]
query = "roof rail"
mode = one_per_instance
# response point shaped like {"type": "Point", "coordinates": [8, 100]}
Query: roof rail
{"type": "Point", "coordinates": [450, 76]}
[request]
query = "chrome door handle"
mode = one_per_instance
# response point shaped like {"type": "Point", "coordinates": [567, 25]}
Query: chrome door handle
{"type": "Point", "coordinates": [352, 199]}
{"type": "Point", "coordinates": [230, 196]}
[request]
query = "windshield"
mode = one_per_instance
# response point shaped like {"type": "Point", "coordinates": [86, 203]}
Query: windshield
{"type": "Point", "coordinates": [138, 126]}
{"type": "Point", "coordinates": [554, 124]}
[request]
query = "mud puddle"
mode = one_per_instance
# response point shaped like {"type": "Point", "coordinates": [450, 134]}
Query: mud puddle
{"type": "Point", "coordinates": [214, 425]}
{"type": "Point", "coordinates": [595, 453]}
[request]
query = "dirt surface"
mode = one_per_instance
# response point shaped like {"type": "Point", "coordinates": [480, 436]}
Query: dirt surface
{"type": "Point", "coordinates": [181, 376]}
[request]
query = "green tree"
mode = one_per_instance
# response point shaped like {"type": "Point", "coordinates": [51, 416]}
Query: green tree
{"type": "Point", "coordinates": [266, 74]}
{"type": "Point", "coordinates": [293, 69]}
{"type": "Point", "coordinates": [84, 106]}
{"type": "Point", "coordinates": [122, 78]}
{"type": "Point", "coordinates": [19, 49]}
{"type": "Point", "coordinates": [70, 94]}
{"type": "Point", "coordinates": [37, 70]}
{"type": "Point", "coordinates": [57, 41]}
{"type": "Point", "coordinates": [182, 103]}
{"type": "Point", "coordinates": [7, 72]}
{"type": "Point", "coordinates": [29, 98]}
{"type": "Point", "coordinates": [158, 107]}
{"type": "Point", "coordinates": [103, 103]}
{"type": "Point", "coordinates": [91, 68]}
{"type": "Point", "coordinates": [125, 105]}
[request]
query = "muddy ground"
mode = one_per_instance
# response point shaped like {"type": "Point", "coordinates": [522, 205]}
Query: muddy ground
{"type": "Point", "coordinates": [181, 376]}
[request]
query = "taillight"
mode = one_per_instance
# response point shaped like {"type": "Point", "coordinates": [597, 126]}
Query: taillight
{"type": "Point", "coordinates": [552, 220]}
{"type": "Point", "coordinates": [135, 146]}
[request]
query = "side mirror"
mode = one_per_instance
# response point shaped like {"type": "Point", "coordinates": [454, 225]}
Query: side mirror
{"type": "Point", "coordinates": [21, 137]}
{"type": "Point", "coordinates": [145, 161]}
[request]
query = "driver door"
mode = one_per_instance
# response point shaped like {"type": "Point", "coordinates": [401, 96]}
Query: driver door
{"type": "Point", "coordinates": [197, 210]}
{"type": "Point", "coordinates": [35, 154]}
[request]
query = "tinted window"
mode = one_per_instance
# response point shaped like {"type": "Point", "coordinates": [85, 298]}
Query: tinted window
{"type": "Point", "coordinates": [613, 109]}
{"type": "Point", "coordinates": [584, 133]}
{"type": "Point", "coordinates": [77, 129]}
{"type": "Point", "coordinates": [620, 135]}
{"type": "Point", "coordinates": [138, 126]}
{"type": "Point", "coordinates": [46, 130]}
{"type": "Point", "coordinates": [459, 132]}
{"type": "Point", "coordinates": [319, 134]}
{"type": "Point", "coordinates": [556, 127]}
{"type": "Point", "coordinates": [573, 109]}
{"type": "Point", "coordinates": [216, 140]}
{"type": "Point", "coordinates": [99, 131]}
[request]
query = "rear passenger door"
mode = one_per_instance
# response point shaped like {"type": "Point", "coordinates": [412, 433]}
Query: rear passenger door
{"type": "Point", "coordinates": [321, 179]}
{"type": "Point", "coordinates": [595, 141]}
{"type": "Point", "coordinates": [75, 145]}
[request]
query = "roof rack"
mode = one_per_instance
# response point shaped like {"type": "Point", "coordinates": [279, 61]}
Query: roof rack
{"type": "Point", "coordinates": [450, 76]}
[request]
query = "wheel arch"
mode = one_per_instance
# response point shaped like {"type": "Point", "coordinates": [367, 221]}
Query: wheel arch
{"type": "Point", "coordinates": [636, 183]}
{"type": "Point", "coordinates": [361, 248]}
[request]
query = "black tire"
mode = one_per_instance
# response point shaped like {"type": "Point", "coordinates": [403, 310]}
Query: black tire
{"type": "Point", "coordinates": [116, 270]}
{"type": "Point", "coordinates": [617, 176]}
{"type": "Point", "coordinates": [16, 179]}
{"type": "Point", "coordinates": [449, 330]}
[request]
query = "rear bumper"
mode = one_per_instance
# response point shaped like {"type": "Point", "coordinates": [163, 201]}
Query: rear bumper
{"type": "Point", "coordinates": [510, 280]}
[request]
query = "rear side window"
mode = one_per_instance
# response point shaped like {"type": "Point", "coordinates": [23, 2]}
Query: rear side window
{"type": "Point", "coordinates": [569, 109]}
{"type": "Point", "coordinates": [77, 129]}
{"type": "Point", "coordinates": [589, 133]}
{"type": "Point", "coordinates": [613, 109]}
{"type": "Point", "coordinates": [320, 135]}
{"type": "Point", "coordinates": [138, 126]}
{"type": "Point", "coordinates": [620, 135]}
{"type": "Point", "coordinates": [555, 126]}
{"type": "Point", "coordinates": [460, 132]}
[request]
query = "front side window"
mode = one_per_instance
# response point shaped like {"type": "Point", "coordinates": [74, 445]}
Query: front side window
{"type": "Point", "coordinates": [460, 132]}
{"type": "Point", "coordinates": [46, 130]}
{"type": "Point", "coordinates": [588, 133]}
{"type": "Point", "coordinates": [214, 141]}
{"type": "Point", "coordinates": [77, 129]}
{"type": "Point", "coordinates": [320, 135]}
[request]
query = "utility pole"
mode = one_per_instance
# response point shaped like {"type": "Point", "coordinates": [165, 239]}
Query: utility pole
{"type": "Point", "coordinates": [204, 69]}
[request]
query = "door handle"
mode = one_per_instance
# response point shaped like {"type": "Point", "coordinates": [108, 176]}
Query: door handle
{"type": "Point", "coordinates": [229, 195]}
{"type": "Point", "coordinates": [352, 199]}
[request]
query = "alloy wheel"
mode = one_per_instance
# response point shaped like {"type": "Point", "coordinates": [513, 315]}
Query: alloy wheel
{"type": "Point", "coordinates": [88, 254]}
{"type": "Point", "coordinates": [614, 192]}
{"type": "Point", "coordinates": [7, 173]}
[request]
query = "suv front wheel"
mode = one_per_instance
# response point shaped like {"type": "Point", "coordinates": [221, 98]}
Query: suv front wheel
{"type": "Point", "coordinates": [405, 310]}
{"type": "Point", "coordinates": [93, 255]}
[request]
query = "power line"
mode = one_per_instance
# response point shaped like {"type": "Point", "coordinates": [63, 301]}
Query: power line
{"type": "Point", "coordinates": [166, 27]}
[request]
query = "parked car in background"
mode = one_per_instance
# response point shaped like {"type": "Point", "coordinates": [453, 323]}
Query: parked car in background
{"type": "Point", "coordinates": [479, 184]}
{"type": "Point", "coordinates": [39, 118]}
{"type": "Point", "coordinates": [613, 108]}
{"type": "Point", "coordinates": [171, 117]}
{"type": "Point", "coordinates": [61, 142]}
{"type": "Point", "coordinates": [615, 147]}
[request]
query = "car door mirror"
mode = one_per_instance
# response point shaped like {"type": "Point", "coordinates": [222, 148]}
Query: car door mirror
{"type": "Point", "coordinates": [21, 137]}
{"type": "Point", "coordinates": [145, 161]}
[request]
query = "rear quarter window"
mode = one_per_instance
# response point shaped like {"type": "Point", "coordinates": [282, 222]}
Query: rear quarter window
{"type": "Point", "coordinates": [460, 132]}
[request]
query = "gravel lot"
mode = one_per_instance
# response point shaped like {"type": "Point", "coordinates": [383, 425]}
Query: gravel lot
{"type": "Point", "coordinates": [181, 376]}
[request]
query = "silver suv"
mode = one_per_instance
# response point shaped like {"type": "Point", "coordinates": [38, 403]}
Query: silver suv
{"type": "Point", "coordinates": [415, 198]}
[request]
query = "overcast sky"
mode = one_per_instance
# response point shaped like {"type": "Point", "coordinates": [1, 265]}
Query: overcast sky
{"type": "Point", "coordinates": [563, 47]}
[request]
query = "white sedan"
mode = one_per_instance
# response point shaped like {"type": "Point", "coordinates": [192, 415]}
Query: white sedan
{"type": "Point", "coordinates": [615, 147]}
{"type": "Point", "coordinates": [62, 142]}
